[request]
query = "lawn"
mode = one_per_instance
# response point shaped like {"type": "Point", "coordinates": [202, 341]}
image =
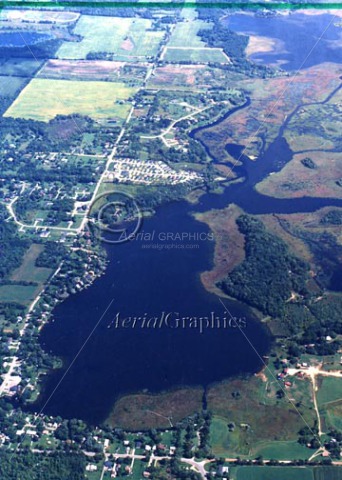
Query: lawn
{"type": "Point", "coordinates": [195, 55]}
{"type": "Point", "coordinates": [22, 294]}
{"type": "Point", "coordinates": [124, 37]}
{"type": "Point", "coordinates": [44, 99]}
{"type": "Point", "coordinates": [274, 473]}
{"type": "Point", "coordinates": [28, 272]}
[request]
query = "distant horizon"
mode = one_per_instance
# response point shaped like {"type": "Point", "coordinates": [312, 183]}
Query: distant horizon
{"type": "Point", "coordinates": [169, 4]}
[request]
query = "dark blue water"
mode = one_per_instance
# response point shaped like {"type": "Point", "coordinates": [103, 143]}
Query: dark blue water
{"type": "Point", "coordinates": [143, 281]}
{"type": "Point", "coordinates": [298, 34]}
{"type": "Point", "coordinates": [21, 39]}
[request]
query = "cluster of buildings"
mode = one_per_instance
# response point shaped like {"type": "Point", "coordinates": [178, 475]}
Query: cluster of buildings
{"type": "Point", "coordinates": [149, 173]}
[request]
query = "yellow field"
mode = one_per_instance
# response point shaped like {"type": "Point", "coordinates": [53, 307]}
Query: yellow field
{"type": "Point", "coordinates": [43, 99]}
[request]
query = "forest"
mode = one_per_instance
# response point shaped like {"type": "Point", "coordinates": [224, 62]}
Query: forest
{"type": "Point", "coordinates": [270, 276]}
{"type": "Point", "coordinates": [12, 247]}
{"type": "Point", "coordinates": [33, 466]}
{"type": "Point", "coordinates": [269, 273]}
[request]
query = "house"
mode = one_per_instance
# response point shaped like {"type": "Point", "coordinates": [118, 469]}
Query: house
{"type": "Point", "coordinates": [91, 467]}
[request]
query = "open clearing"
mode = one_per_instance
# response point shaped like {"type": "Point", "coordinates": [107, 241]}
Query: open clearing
{"type": "Point", "coordinates": [223, 442]}
{"type": "Point", "coordinates": [283, 450]}
{"type": "Point", "coordinates": [21, 67]}
{"type": "Point", "coordinates": [194, 55]}
{"type": "Point", "coordinates": [258, 417]}
{"type": "Point", "coordinates": [185, 34]}
{"type": "Point", "coordinates": [124, 37]}
{"type": "Point", "coordinates": [330, 390]}
{"type": "Point", "coordinates": [43, 99]}
{"type": "Point", "coordinates": [274, 473]}
{"type": "Point", "coordinates": [81, 70]}
{"type": "Point", "coordinates": [331, 415]}
{"type": "Point", "coordinates": [10, 86]}
{"type": "Point", "coordinates": [178, 76]}
{"type": "Point", "coordinates": [22, 294]}
{"type": "Point", "coordinates": [329, 399]}
{"type": "Point", "coordinates": [28, 272]}
{"type": "Point", "coordinates": [327, 473]}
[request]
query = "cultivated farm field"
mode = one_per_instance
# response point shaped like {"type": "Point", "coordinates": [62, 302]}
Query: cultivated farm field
{"type": "Point", "coordinates": [185, 34]}
{"type": "Point", "coordinates": [43, 99]}
{"type": "Point", "coordinates": [126, 38]}
{"type": "Point", "coordinates": [274, 473]}
{"type": "Point", "coordinates": [195, 54]}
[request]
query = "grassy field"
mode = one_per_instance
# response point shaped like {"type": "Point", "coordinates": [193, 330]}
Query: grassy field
{"type": "Point", "coordinates": [283, 450]}
{"type": "Point", "coordinates": [257, 414]}
{"type": "Point", "coordinates": [21, 294]}
{"type": "Point", "coordinates": [219, 437]}
{"type": "Point", "coordinates": [194, 55]}
{"type": "Point", "coordinates": [124, 37]}
{"type": "Point", "coordinates": [332, 416]}
{"type": "Point", "coordinates": [10, 86]}
{"type": "Point", "coordinates": [224, 443]}
{"type": "Point", "coordinates": [21, 67]}
{"type": "Point", "coordinates": [96, 99]}
{"type": "Point", "coordinates": [185, 34]}
{"type": "Point", "coordinates": [274, 473]}
{"type": "Point", "coordinates": [28, 272]}
{"type": "Point", "coordinates": [329, 399]}
{"type": "Point", "coordinates": [330, 390]}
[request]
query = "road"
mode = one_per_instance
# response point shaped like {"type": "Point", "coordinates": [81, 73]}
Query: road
{"type": "Point", "coordinates": [8, 374]}
{"type": "Point", "coordinates": [197, 466]}
{"type": "Point", "coordinates": [170, 127]}
{"type": "Point", "coordinates": [14, 359]}
{"type": "Point", "coordinates": [312, 372]}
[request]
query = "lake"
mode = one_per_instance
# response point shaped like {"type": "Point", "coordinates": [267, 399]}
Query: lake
{"type": "Point", "coordinates": [145, 279]}
{"type": "Point", "coordinates": [296, 35]}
